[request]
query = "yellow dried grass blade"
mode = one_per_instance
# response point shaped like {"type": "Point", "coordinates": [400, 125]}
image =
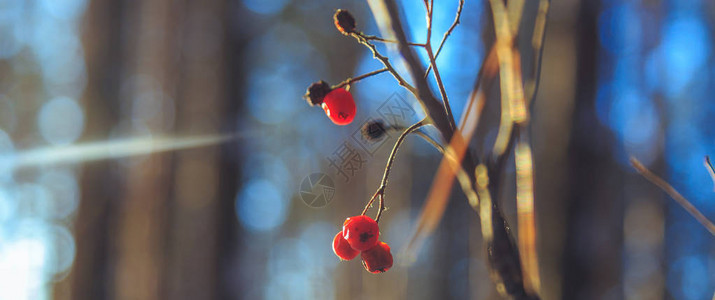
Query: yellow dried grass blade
{"type": "Point", "coordinates": [438, 196]}
{"type": "Point", "coordinates": [504, 55]}
{"type": "Point", "coordinates": [525, 217]}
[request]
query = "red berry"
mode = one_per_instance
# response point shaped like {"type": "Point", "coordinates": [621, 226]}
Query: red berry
{"type": "Point", "coordinates": [377, 259]}
{"type": "Point", "coordinates": [339, 106]}
{"type": "Point", "coordinates": [361, 232]}
{"type": "Point", "coordinates": [342, 249]}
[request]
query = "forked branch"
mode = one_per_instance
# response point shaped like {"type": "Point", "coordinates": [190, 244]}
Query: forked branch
{"type": "Point", "coordinates": [447, 34]}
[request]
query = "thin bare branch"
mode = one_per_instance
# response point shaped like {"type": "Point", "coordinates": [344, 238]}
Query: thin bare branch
{"type": "Point", "coordinates": [383, 40]}
{"type": "Point", "coordinates": [447, 34]}
{"type": "Point", "coordinates": [383, 184]}
{"type": "Point", "coordinates": [433, 65]}
{"type": "Point", "coordinates": [358, 78]}
{"type": "Point", "coordinates": [710, 168]}
{"type": "Point", "coordinates": [668, 189]}
{"type": "Point", "coordinates": [388, 20]}
{"type": "Point", "coordinates": [386, 62]}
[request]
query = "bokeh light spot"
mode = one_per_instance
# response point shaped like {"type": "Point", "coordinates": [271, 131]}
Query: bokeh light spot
{"type": "Point", "coordinates": [64, 192]}
{"type": "Point", "coordinates": [64, 9]}
{"type": "Point", "coordinates": [688, 278]}
{"type": "Point", "coordinates": [620, 29]}
{"type": "Point", "coordinates": [261, 206]}
{"type": "Point", "coordinates": [265, 7]}
{"type": "Point", "coordinates": [684, 49]}
{"type": "Point", "coordinates": [61, 121]}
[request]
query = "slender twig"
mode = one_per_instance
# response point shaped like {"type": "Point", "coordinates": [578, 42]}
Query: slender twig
{"type": "Point", "coordinates": [427, 6]}
{"type": "Point", "coordinates": [668, 189]}
{"type": "Point", "coordinates": [446, 35]}
{"type": "Point", "coordinates": [391, 159]}
{"type": "Point", "coordinates": [433, 64]}
{"type": "Point", "coordinates": [358, 78]}
{"type": "Point", "coordinates": [440, 86]}
{"type": "Point", "coordinates": [386, 62]}
{"type": "Point", "coordinates": [388, 20]}
{"type": "Point", "coordinates": [429, 21]}
{"type": "Point", "coordinates": [383, 40]}
{"type": "Point", "coordinates": [710, 168]}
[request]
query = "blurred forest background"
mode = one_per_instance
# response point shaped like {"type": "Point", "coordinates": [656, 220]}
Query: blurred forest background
{"type": "Point", "coordinates": [228, 221]}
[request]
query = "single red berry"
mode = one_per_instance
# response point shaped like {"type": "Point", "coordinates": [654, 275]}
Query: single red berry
{"type": "Point", "coordinates": [361, 232]}
{"type": "Point", "coordinates": [377, 259]}
{"type": "Point", "coordinates": [342, 249]}
{"type": "Point", "coordinates": [339, 106]}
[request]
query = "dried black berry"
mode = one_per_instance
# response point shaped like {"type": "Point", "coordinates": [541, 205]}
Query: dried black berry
{"type": "Point", "coordinates": [316, 92]}
{"type": "Point", "coordinates": [344, 21]}
{"type": "Point", "coordinates": [373, 130]}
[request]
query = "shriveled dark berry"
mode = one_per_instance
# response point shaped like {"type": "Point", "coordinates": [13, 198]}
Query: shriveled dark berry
{"type": "Point", "coordinates": [344, 21]}
{"type": "Point", "coordinates": [373, 130]}
{"type": "Point", "coordinates": [316, 92]}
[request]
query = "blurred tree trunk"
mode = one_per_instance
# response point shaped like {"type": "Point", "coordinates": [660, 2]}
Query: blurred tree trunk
{"type": "Point", "coordinates": [156, 227]}
{"type": "Point", "coordinates": [594, 210]}
{"type": "Point", "coordinates": [93, 226]}
{"type": "Point", "coordinates": [199, 208]}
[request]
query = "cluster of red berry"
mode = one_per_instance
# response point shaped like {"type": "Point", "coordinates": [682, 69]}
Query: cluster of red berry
{"type": "Point", "coordinates": [360, 233]}
{"type": "Point", "coordinates": [360, 236]}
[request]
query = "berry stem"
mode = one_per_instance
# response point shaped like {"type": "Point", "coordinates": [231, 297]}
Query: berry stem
{"type": "Point", "coordinates": [383, 184]}
{"type": "Point", "coordinates": [358, 78]}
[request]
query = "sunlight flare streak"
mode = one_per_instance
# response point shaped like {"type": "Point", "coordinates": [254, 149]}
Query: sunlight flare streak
{"type": "Point", "coordinates": [78, 153]}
